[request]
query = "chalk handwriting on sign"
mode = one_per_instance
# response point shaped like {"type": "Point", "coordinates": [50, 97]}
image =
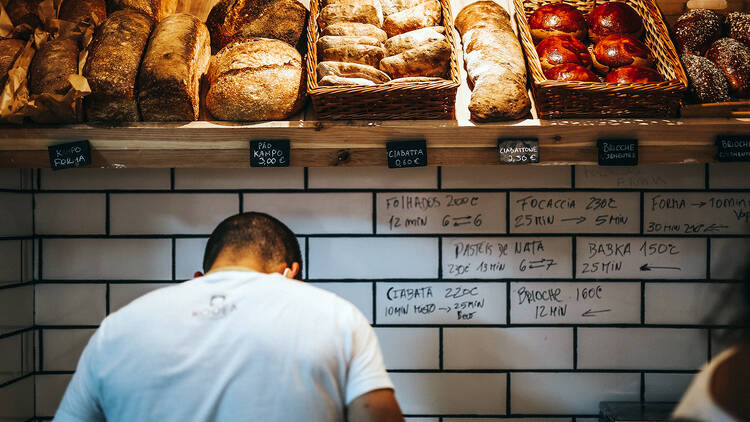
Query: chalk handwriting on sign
{"type": "Point", "coordinates": [651, 258]}
{"type": "Point", "coordinates": [518, 151]}
{"type": "Point", "coordinates": [696, 213]}
{"type": "Point", "coordinates": [403, 154]}
{"type": "Point", "coordinates": [733, 148]}
{"type": "Point", "coordinates": [269, 153]}
{"type": "Point", "coordinates": [441, 303]}
{"type": "Point", "coordinates": [449, 212]}
{"type": "Point", "coordinates": [70, 155]}
{"type": "Point", "coordinates": [574, 212]}
{"type": "Point", "coordinates": [618, 152]}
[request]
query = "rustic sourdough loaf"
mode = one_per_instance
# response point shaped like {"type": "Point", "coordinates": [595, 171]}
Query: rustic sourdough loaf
{"type": "Point", "coordinates": [51, 66]}
{"type": "Point", "coordinates": [157, 9]}
{"type": "Point", "coordinates": [112, 66]}
{"type": "Point", "coordinates": [176, 58]}
{"type": "Point", "coordinates": [256, 79]}
{"type": "Point", "coordinates": [79, 10]}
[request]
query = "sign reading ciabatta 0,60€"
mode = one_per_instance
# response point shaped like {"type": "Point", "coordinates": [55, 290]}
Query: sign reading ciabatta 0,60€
{"type": "Point", "coordinates": [518, 151]}
{"type": "Point", "coordinates": [404, 154]}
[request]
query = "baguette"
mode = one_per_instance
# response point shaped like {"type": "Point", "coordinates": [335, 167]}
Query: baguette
{"type": "Point", "coordinates": [352, 71]}
{"type": "Point", "coordinates": [355, 29]}
{"type": "Point", "coordinates": [413, 39]}
{"type": "Point", "coordinates": [256, 79]}
{"type": "Point", "coordinates": [51, 66]}
{"type": "Point", "coordinates": [176, 58]}
{"type": "Point", "coordinates": [157, 9]}
{"type": "Point", "coordinates": [421, 16]}
{"type": "Point", "coordinates": [77, 11]}
{"type": "Point", "coordinates": [112, 66]}
{"type": "Point", "coordinates": [236, 19]}
{"type": "Point", "coordinates": [431, 60]}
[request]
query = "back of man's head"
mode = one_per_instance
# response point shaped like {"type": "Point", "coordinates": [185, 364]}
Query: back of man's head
{"type": "Point", "coordinates": [254, 234]}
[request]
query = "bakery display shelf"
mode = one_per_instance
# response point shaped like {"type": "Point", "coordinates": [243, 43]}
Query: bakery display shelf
{"type": "Point", "coordinates": [362, 143]}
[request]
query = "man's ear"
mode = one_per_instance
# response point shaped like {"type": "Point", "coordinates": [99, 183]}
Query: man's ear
{"type": "Point", "coordinates": [292, 272]}
{"type": "Point", "coordinates": [197, 274]}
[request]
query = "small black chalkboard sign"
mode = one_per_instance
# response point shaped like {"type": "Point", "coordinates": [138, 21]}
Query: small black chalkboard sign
{"type": "Point", "coordinates": [518, 150]}
{"type": "Point", "coordinates": [618, 152]}
{"type": "Point", "coordinates": [733, 148]}
{"type": "Point", "coordinates": [269, 153]}
{"type": "Point", "coordinates": [403, 154]}
{"type": "Point", "coordinates": [70, 155]}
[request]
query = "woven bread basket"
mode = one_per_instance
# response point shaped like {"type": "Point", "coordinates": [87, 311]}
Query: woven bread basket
{"type": "Point", "coordinates": [407, 100]}
{"type": "Point", "coordinates": [557, 99]}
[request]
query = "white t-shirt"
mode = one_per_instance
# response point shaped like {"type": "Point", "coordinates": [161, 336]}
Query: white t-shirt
{"type": "Point", "coordinates": [697, 403]}
{"type": "Point", "coordinates": [229, 346]}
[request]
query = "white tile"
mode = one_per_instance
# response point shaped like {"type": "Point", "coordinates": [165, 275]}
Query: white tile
{"type": "Point", "coordinates": [372, 257]}
{"type": "Point", "coordinates": [409, 348]}
{"type": "Point", "coordinates": [667, 387]}
{"type": "Point", "coordinates": [570, 393]}
{"type": "Point", "coordinates": [575, 303]}
{"type": "Point", "coordinates": [650, 176]}
{"type": "Point", "coordinates": [313, 213]}
{"type": "Point", "coordinates": [17, 306]}
{"type": "Point", "coordinates": [70, 304]}
{"type": "Point", "coordinates": [15, 214]}
{"type": "Point", "coordinates": [729, 258]}
{"type": "Point", "coordinates": [371, 178]}
{"type": "Point", "coordinates": [189, 257]}
{"type": "Point", "coordinates": [122, 294]}
{"type": "Point", "coordinates": [10, 261]}
{"type": "Point", "coordinates": [18, 400]}
{"type": "Point", "coordinates": [10, 179]}
{"type": "Point", "coordinates": [359, 294]}
{"type": "Point", "coordinates": [100, 179]}
{"type": "Point", "coordinates": [70, 213]}
{"type": "Point", "coordinates": [729, 176]}
{"type": "Point", "coordinates": [450, 393]}
{"type": "Point", "coordinates": [11, 357]}
{"type": "Point", "coordinates": [49, 392]}
{"type": "Point", "coordinates": [441, 303]}
{"type": "Point", "coordinates": [508, 348]}
{"type": "Point", "coordinates": [96, 259]}
{"type": "Point", "coordinates": [63, 348]}
{"type": "Point", "coordinates": [251, 178]}
{"type": "Point", "coordinates": [640, 258]}
{"type": "Point", "coordinates": [170, 213]}
{"type": "Point", "coordinates": [575, 212]}
{"type": "Point", "coordinates": [696, 213]}
{"type": "Point", "coordinates": [506, 177]}
{"type": "Point", "coordinates": [446, 212]}
{"type": "Point", "coordinates": [502, 257]}
{"type": "Point", "coordinates": [690, 303]}
{"type": "Point", "coordinates": [641, 348]}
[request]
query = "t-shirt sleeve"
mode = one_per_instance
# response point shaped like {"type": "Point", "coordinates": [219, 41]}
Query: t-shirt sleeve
{"type": "Point", "coordinates": [366, 368]}
{"type": "Point", "coordinates": [81, 399]}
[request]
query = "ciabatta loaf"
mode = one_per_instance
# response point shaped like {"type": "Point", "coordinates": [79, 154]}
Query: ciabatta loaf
{"type": "Point", "coordinates": [431, 60]}
{"type": "Point", "coordinates": [177, 56]}
{"type": "Point", "coordinates": [355, 29]}
{"type": "Point", "coordinates": [354, 71]}
{"type": "Point", "coordinates": [421, 16]}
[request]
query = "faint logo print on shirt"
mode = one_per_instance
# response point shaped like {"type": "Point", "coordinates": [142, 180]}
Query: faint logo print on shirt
{"type": "Point", "coordinates": [217, 308]}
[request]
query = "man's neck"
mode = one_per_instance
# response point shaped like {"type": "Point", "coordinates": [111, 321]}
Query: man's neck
{"type": "Point", "coordinates": [216, 269]}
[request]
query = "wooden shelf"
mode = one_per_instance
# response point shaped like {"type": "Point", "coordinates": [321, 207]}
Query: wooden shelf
{"type": "Point", "coordinates": [362, 143]}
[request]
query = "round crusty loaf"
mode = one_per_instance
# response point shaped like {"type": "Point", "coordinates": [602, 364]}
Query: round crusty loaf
{"type": "Point", "coordinates": [256, 79]}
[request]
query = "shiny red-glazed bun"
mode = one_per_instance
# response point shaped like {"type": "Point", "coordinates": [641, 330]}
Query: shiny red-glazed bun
{"type": "Point", "coordinates": [571, 72]}
{"type": "Point", "coordinates": [561, 49]}
{"type": "Point", "coordinates": [620, 50]}
{"type": "Point", "coordinates": [557, 19]}
{"type": "Point", "coordinates": [633, 75]}
{"type": "Point", "coordinates": [614, 18]}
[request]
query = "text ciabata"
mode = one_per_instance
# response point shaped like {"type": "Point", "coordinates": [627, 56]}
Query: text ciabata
{"type": "Point", "coordinates": [518, 151]}
{"type": "Point", "coordinates": [403, 154]}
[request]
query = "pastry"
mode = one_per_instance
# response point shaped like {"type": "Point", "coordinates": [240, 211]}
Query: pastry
{"type": "Point", "coordinates": [696, 30]}
{"type": "Point", "coordinates": [707, 83]}
{"type": "Point", "coordinates": [571, 72]}
{"type": "Point", "coordinates": [619, 50]}
{"type": "Point", "coordinates": [614, 17]}
{"type": "Point", "coordinates": [557, 19]}
{"type": "Point", "coordinates": [633, 75]}
{"type": "Point", "coordinates": [733, 59]}
{"type": "Point", "coordinates": [560, 49]}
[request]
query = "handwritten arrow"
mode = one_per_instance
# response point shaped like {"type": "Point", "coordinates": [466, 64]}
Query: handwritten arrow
{"type": "Point", "coordinates": [699, 204]}
{"type": "Point", "coordinates": [456, 222]}
{"type": "Point", "coordinates": [591, 313]}
{"type": "Point", "coordinates": [445, 309]}
{"type": "Point", "coordinates": [646, 267]}
{"type": "Point", "coordinates": [544, 262]}
{"type": "Point", "coordinates": [578, 220]}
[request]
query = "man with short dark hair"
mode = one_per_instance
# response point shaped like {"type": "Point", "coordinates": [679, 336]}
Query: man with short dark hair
{"type": "Point", "coordinates": [244, 342]}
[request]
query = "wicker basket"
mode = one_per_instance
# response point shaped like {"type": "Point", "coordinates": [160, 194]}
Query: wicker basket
{"type": "Point", "coordinates": [556, 99]}
{"type": "Point", "coordinates": [408, 100]}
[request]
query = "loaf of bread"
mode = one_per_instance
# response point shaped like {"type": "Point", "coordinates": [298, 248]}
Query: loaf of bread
{"type": "Point", "coordinates": [696, 30]}
{"type": "Point", "coordinates": [333, 80]}
{"type": "Point", "coordinates": [421, 16]}
{"type": "Point", "coordinates": [176, 58]}
{"type": "Point", "coordinates": [707, 83]}
{"type": "Point", "coordinates": [333, 41]}
{"type": "Point", "coordinates": [355, 29]}
{"type": "Point", "coordinates": [361, 11]}
{"type": "Point", "coordinates": [26, 13]}
{"type": "Point", "coordinates": [733, 59]}
{"type": "Point", "coordinates": [51, 66]}
{"type": "Point", "coordinates": [738, 25]}
{"type": "Point", "coordinates": [413, 39]}
{"type": "Point", "coordinates": [494, 62]}
{"type": "Point", "coordinates": [430, 59]}
{"type": "Point", "coordinates": [394, 6]}
{"type": "Point", "coordinates": [10, 49]}
{"type": "Point", "coordinates": [353, 53]}
{"type": "Point", "coordinates": [256, 79]}
{"type": "Point", "coordinates": [112, 66]}
{"type": "Point", "coordinates": [80, 10]}
{"type": "Point", "coordinates": [157, 9]}
{"type": "Point", "coordinates": [339, 73]}
{"type": "Point", "coordinates": [236, 19]}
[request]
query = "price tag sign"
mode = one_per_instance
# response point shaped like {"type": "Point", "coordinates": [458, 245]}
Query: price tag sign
{"type": "Point", "coordinates": [518, 151]}
{"type": "Point", "coordinates": [733, 148]}
{"type": "Point", "coordinates": [403, 154]}
{"type": "Point", "coordinates": [618, 152]}
{"type": "Point", "coordinates": [269, 153]}
{"type": "Point", "coordinates": [70, 155]}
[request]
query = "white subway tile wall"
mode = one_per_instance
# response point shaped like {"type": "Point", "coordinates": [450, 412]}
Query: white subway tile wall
{"type": "Point", "coordinates": [538, 321]}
